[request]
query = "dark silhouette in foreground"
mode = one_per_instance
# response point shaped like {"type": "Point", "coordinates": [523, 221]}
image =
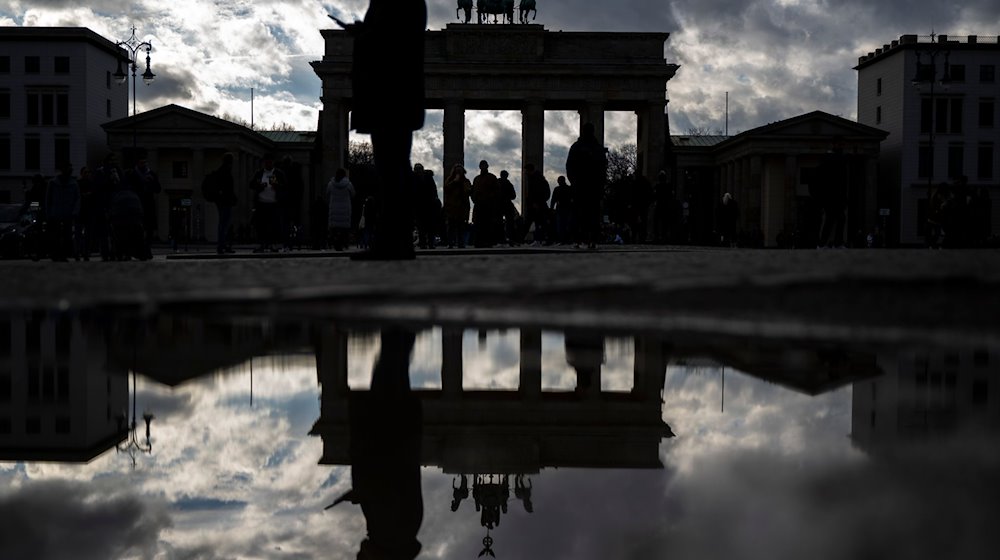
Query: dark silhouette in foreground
{"type": "Point", "coordinates": [389, 45]}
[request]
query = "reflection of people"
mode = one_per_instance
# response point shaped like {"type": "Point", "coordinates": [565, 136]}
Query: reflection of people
{"type": "Point", "coordinates": [389, 44]}
{"type": "Point", "coordinates": [386, 428]}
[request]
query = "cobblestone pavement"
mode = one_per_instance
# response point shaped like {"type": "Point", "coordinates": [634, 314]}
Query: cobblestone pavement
{"type": "Point", "coordinates": [920, 294]}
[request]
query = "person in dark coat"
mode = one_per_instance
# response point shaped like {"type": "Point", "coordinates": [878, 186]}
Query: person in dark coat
{"type": "Point", "coordinates": [586, 168]}
{"type": "Point", "coordinates": [487, 211]}
{"type": "Point", "coordinates": [509, 230]}
{"type": "Point", "coordinates": [562, 205]}
{"type": "Point", "coordinates": [107, 181]}
{"type": "Point", "coordinates": [265, 184]}
{"type": "Point", "coordinates": [62, 204]}
{"type": "Point", "coordinates": [457, 190]}
{"type": "Point", "coordinates": [221, 191]}
{"type": "Point", "coordinates": [428, 206]}
{"type": "Point", "coordinates": [86, 226]}
{"type": "Point", "coordinates": [389, 49]}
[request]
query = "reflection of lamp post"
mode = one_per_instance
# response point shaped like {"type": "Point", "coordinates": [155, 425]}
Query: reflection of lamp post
{"type": "Point", "coordinates": [926, 74]}
{"type": "Point", "coordinates": [132, 444]}
{"type": "Point", "coordinates": [132, 46]}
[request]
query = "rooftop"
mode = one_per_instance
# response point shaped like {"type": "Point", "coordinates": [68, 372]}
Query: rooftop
{"type": "Point", "coordinates": [965, 42]}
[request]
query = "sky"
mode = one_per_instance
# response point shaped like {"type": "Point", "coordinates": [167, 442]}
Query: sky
{"type": "Point", "coordinates": [775, 58]}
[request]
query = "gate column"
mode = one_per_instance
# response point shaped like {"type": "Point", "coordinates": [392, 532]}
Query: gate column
{"type": "Point", "coordinates": [532, 139]}
{"type": "Point", "coordinates": [454, 135]}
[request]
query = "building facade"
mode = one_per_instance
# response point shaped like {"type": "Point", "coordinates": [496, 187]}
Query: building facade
{"type": "Point", "coordinates": [56, 91]}
{"type": "Point", "coordinates": [937, 98]}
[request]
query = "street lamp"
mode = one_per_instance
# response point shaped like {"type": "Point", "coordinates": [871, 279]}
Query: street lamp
{"type": "Point", "coordinates": [132, 444]}
{"type": "Point", "coordinates": [132, 46]}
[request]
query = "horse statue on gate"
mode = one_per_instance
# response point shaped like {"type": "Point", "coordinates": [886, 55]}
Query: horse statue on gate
{"type": "Point", "coordinates": [467, 6]}
{"type": "Point", "coordinates": [503, 8]}
{"type": "Point", "coordinates": [525, 7]}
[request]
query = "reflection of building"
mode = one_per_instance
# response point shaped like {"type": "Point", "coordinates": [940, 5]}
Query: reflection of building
{"type": "Point", "coordinates": [55, 92]}
{"type": "Point", "coordinates": [58, 399]}
{"type": "Point", "coordinates": [923, 396]}
{"type": "Point", "coordinates": [518, 431]}
{"type": "Point", "coordinates": [935, 135]}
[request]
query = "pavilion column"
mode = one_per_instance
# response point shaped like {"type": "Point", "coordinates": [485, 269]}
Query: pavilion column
{"type": "Point", "coordinates": [532, 139]}
{"type": "Point", "coordinates": [210, 218]}
{"type": "Point", "coordinates": [652, 138]}
{"type": "Point", "coordinates": [530, 384]}
{"type": "Point", "coordinates": [451, 362]}
{"type": "Point", "coordinates": [650, 368]}
{"type": "Point", "coordinates": [334, 134]}
{"type": "Point", "coordinates": [454, 135]}
{"type": "Point", "coordinates": [593, 112]}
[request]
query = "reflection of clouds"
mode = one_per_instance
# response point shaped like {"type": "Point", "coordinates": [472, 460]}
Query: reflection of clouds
{"type": "Point", "coordinates": [62, 519]}
{"type": "Point", "coordinates": [494, 364]}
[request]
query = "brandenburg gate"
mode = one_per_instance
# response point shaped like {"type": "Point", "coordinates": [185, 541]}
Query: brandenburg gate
{"type": "Point", "coordinates": [518, 67]}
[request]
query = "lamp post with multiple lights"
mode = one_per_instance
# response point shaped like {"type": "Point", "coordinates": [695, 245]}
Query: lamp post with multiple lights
{"type": "Point", "coordinates": [133, 46]}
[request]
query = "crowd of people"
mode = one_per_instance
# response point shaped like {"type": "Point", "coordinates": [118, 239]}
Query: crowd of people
{"type": "Point", "coordinates": [108, 211]}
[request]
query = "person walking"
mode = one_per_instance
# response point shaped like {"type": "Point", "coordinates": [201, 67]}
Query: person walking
{"type": "Point", "coordinates": [586, 168]}
{"type": "Point", "coordinates": [562, 206]}
{"type": "Point", "coordinates": [486, 211]}
{"type": "Point", "coordinates": [536, 200]}
{"type": "Point", "coordinates": [145, 183]}
{"type": "Point", "coordinates": [428, 207]}
{"type": "Point", "coordinates": [340, 199]}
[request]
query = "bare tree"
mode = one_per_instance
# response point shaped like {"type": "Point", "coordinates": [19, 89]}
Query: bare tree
{"type": "Point", "coordinates": [360, 153]}
{"type": "Point", "coordinates": [234, 119]}
{"type": "Point", "coordinates": [704, 131]}
{"type": "Point", "coordinates": [621, 162]}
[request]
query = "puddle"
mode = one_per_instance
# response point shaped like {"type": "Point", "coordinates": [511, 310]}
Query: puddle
{"type": "Point", "coordinates": [467, 440]}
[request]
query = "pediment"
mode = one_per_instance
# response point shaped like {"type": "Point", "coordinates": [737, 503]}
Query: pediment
{"type": "Point", "coordinates": [175, 118]}
{"type": "Point", "coordinates": [816, 124]}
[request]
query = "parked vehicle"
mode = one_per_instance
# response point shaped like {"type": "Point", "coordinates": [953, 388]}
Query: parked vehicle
{"type": "Point", "coordinates": [22, 233]}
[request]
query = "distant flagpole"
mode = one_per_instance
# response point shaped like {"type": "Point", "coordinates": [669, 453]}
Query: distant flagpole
{"type": "Point", "coordinates": [251, 108]}
{"type": "Point", "coordinates": [727, 113]}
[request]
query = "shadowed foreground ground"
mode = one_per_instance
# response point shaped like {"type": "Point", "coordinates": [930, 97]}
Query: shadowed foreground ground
{"type": "Point", "coordinates": [912, 296]}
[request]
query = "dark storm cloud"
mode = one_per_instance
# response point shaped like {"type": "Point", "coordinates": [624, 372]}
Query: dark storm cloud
{"type": "Point", "coordinates": [63, 519]}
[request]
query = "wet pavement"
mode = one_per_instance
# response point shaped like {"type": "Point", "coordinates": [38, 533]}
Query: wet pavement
{"type": "Point", "coordinates": [629, 403]}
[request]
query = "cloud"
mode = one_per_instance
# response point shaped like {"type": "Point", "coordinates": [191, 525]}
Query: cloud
{"type": "Point", "coordinates": [63, 519]}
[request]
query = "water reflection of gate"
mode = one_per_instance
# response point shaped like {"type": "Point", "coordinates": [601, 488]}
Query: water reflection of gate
{"type": "Point", "coordinates": [516, 431]}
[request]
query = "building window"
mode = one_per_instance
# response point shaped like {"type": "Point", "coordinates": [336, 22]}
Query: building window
{"type": "Point", "coordinates": [984, 163]}
{"type": "Point", "coordinates": [986, 113]}
{"type": "Point", "coordinates": [956, 73]}
{"type": "Point", "coordinates": [878, 115]}
{"type": "Point", "coordinates": [925, 162]}
{"type": "Point", "coordinates": [4, 103]}
{"type": "Point", "coordinates": [926, 115]}
{"type": "Point", "coordinates": [60, 65]}
{"type": "Point", "coordinates": [107, 107]}
{"type": "Point", "coordinates": [32, 64]}
{"type": "Point", "coordinates": [5, 153]}
{"type": "Point", "coordinates": [180, 170]}
{"type": "Point", "coordinates": [107, 79]}
{"type": "Point", "coordinates": [60, 150]}
{"type": "Point", "coordinates": [987, 73]}
{"type": "Point", "coordinates": [47, 108]}
{"type": "Point", "coordinates": [956, 161]}
{"type": "Point", "coordinates": [878, 86]}
{"type": "Point", "coordinates": [945, 114]}
{"type": "Point", "coordinates": [4, 64]}
{"type": "Point", "coordinates": [32, 153]}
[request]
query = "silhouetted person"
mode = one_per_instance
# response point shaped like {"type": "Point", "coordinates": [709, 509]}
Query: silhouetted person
{"type": "Point", "coordinates": [265, 185]}
{"type": "Point", "coordinates": [340, 197]}
{"type": "Point", "coordinates": [107, 180]}
{"type": "Point", "coordinates": [522, 492]}
{"type": "Point", "coordinates": [457, 192]}
{"type": "Point", "coordinates": [62, 203]}
{"type": "Point", "coordinates": [218, 188]}
{"type": "Point", "coordinates": [126, 224]}
{"type": "Point", "coordinates": [536, 204]}
{"type": "Point", "coordinates": [145, 183]}
{"type": "Point", "coordinates": [562, 206]}
{"type": "Point", "coordinates": [729, 215]}
{"type": "Point", "coordinates": [508, 212]}
{"type": "Point", "coordinates": [466, 6]}
{"type": "Point", "coordinates": [386, 430]}
{"type": "Point", "coordinates": [388, 83]}
{"type": "Point", "coordinates": [86, 224]}
{"type": "Point", "coordinates": [428, 206]}
{"type": "Point", "coordinates": [486, 214]}
{"type": "Point", "coordinates": [586, 168]}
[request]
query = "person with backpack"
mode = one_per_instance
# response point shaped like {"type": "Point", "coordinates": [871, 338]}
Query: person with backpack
{"type": "Point", "coordinates": [217, 188]}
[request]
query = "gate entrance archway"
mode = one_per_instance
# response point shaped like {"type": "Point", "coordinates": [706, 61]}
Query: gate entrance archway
{"type": "Point", "coordinates": [518, 67]}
